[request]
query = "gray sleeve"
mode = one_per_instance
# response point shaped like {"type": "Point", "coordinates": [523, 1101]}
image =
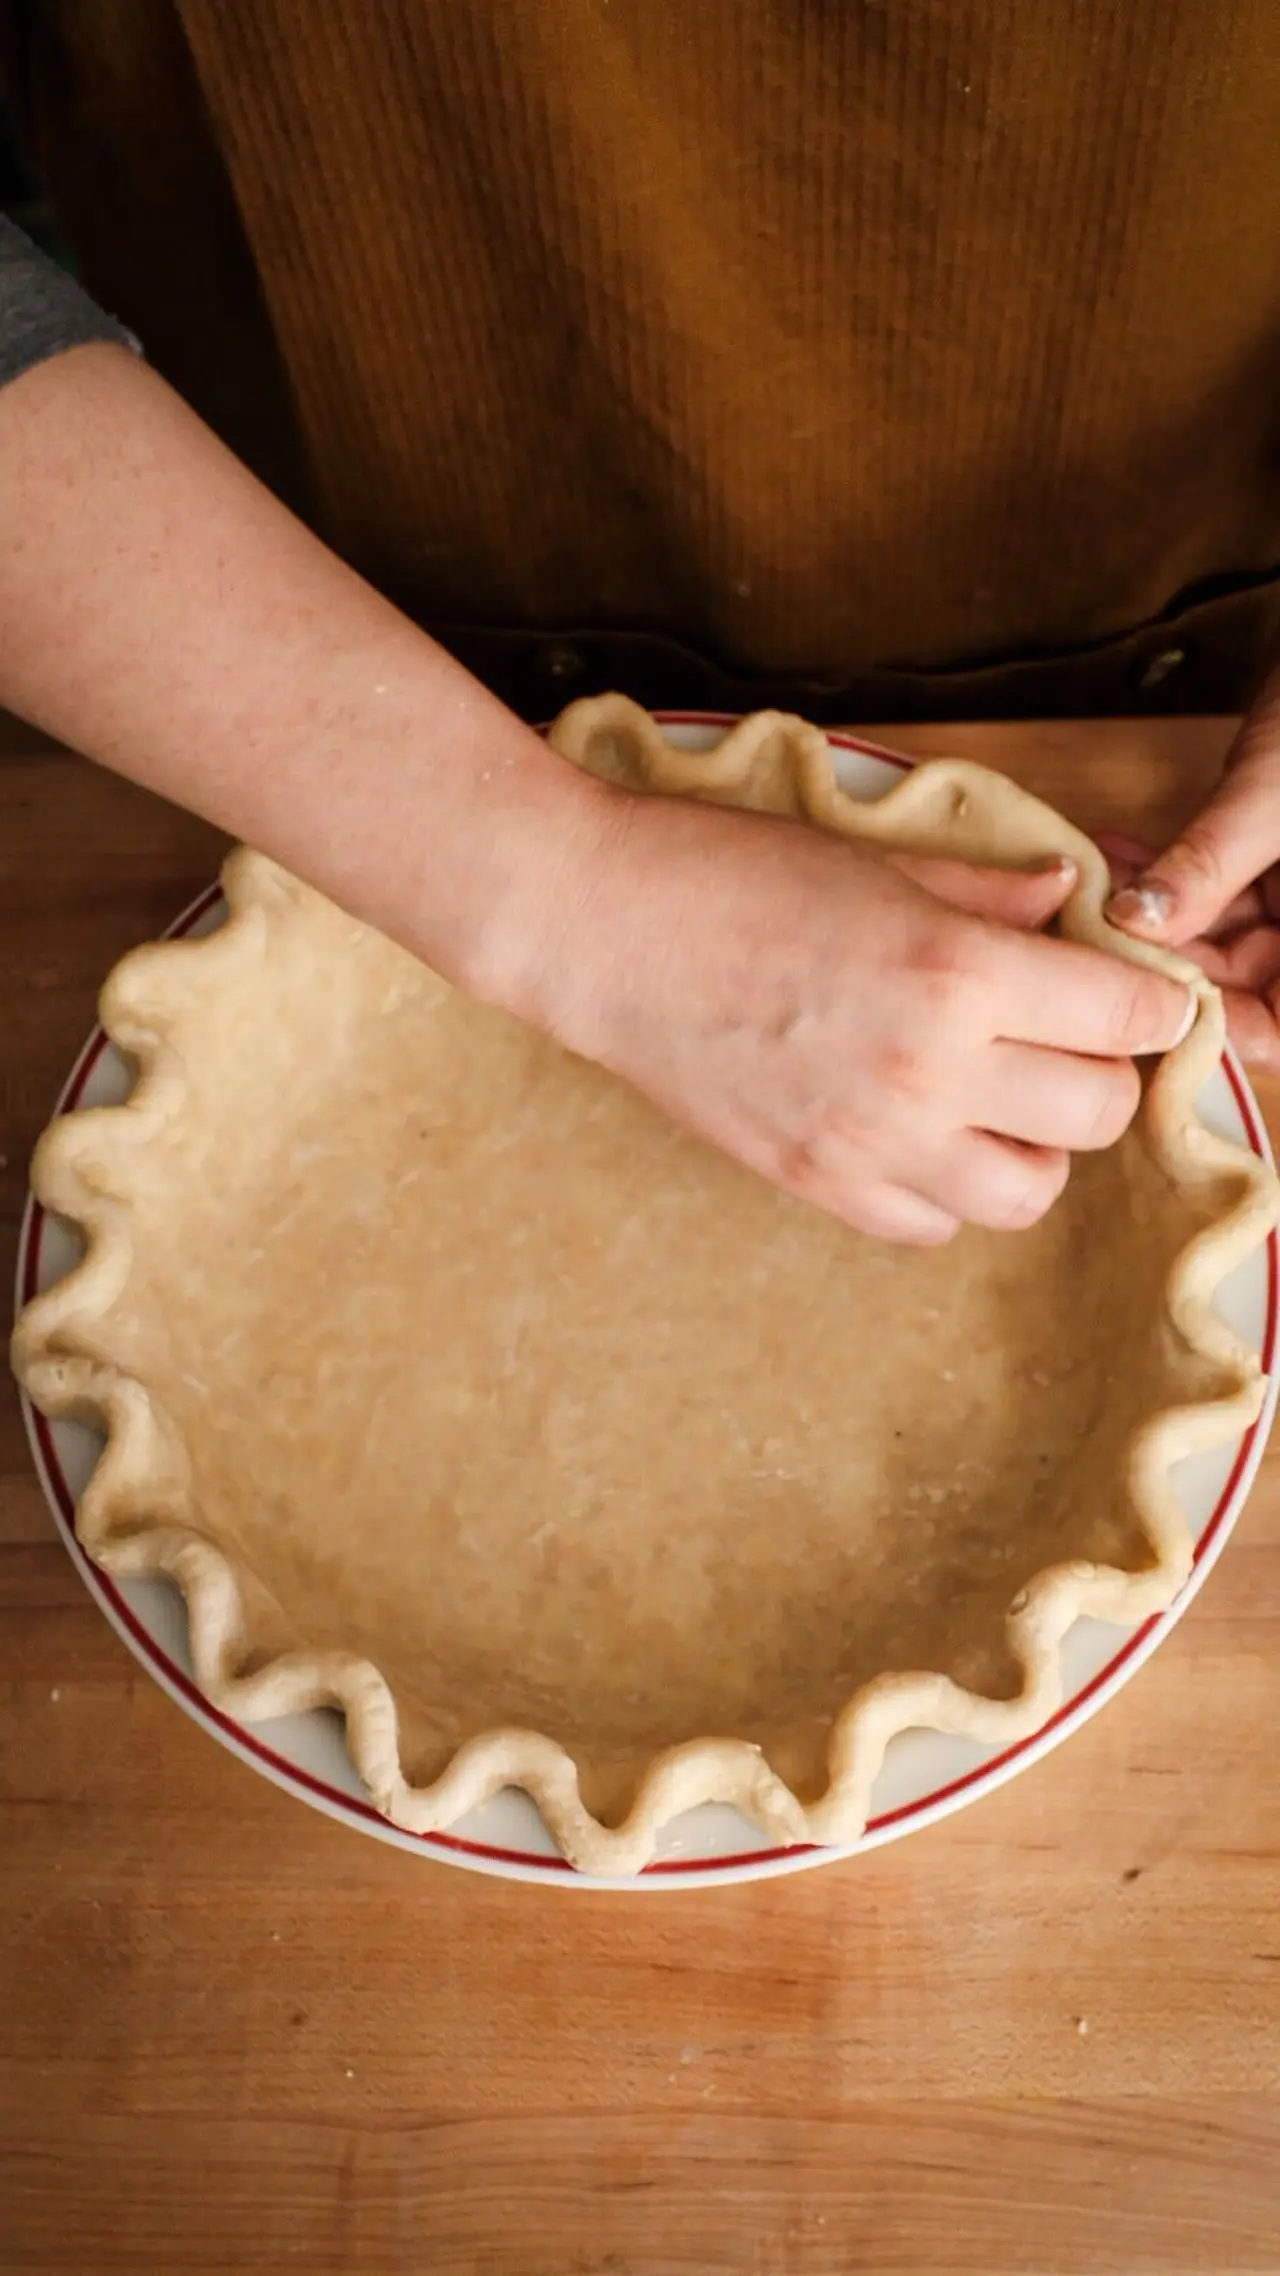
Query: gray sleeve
{"type": "Point", "coordinates": [43, 310]}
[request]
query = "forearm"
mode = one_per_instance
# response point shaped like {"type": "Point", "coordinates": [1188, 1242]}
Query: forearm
{"type": "Point", "coordinates": [163, 613]}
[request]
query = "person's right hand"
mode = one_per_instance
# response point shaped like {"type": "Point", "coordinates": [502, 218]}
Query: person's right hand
{"type": "Point", "coordinates": [888, 1038]}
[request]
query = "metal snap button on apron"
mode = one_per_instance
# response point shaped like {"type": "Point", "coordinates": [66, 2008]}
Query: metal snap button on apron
{"type": "Point", "coordinates": [1161, 667]}
{"type": "Point", "coordinates": [559, 662]}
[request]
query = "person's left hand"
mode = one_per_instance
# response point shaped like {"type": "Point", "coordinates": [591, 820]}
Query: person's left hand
{"type": "Point", "coordinates": [1214, 893]}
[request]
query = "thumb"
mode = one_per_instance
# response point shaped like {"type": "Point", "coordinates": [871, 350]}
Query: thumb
{"type": "Point", "coordinates": [1184, 890]}
{"type": "Point", "coordinates": [1023, 898]}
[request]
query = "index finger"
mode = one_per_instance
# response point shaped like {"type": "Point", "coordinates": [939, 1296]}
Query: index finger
{"type": "Point", "coordinates": [1074, 998]}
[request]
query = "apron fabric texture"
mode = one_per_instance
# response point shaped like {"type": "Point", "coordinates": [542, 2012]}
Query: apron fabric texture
{"type": "Point", "coordinates": [884, 358]}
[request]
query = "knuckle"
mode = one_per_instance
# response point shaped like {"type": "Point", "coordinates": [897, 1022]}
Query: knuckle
{"type": "Point", "coordinates": [820, 1164]}
{"type": "Point", "coordinates": [1135, 1009]}
{"type": "Point", "coordinates": [798, 1169]}
{"type": "Point", "coordinates": [902, 1072]}
{"type": "Point", "coordinates": [947, 962]}
{"type": "Point", "coordinates": [1200, 858]}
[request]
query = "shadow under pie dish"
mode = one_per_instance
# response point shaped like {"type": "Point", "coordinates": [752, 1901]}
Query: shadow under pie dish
{"type": "Point", "coordinates": [456, 1388]}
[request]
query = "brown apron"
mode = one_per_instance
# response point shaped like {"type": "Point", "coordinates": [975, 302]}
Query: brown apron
{"type": "Point", "coordinates": [892, 358]}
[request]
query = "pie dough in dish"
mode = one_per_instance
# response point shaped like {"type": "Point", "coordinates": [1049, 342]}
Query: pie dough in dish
{"type": "Point", "coordinates": [459, 1390]}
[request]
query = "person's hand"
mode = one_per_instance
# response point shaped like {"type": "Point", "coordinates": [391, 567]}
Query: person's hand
{"type": "Point", "coordinates": [1215, 893]}
{"type": "Point", "coordinates": [886, 1038]}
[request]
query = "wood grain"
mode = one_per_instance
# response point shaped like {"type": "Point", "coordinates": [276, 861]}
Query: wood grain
{"type": "Point", "coordinates": [236, 2037]}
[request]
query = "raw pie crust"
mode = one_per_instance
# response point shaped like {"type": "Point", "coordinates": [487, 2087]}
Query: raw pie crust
{"type": "Point", "coordinates": [460, 1391]}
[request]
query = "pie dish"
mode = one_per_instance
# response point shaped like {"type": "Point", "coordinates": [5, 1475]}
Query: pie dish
{"type": "Point", "coordinates": [691, 1493]}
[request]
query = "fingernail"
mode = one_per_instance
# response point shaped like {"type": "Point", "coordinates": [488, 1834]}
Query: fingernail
{"type": "Point", "coordinates": [1148, 905]}
{"type": "Point", "coordinates": [1052, 865]}
{"type": "Point", "coordinates": [1158, 1050]}
{"type": "Point", "coordinates": [1189, 1021]}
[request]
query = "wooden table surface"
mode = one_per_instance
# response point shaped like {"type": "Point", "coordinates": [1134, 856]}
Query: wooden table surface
{"type": "Point", "coordinates": [1042, 2039]}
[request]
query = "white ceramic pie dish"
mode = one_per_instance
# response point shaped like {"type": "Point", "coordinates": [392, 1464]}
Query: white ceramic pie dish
{"type": "Point", "coordinates": [925, 1775]}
